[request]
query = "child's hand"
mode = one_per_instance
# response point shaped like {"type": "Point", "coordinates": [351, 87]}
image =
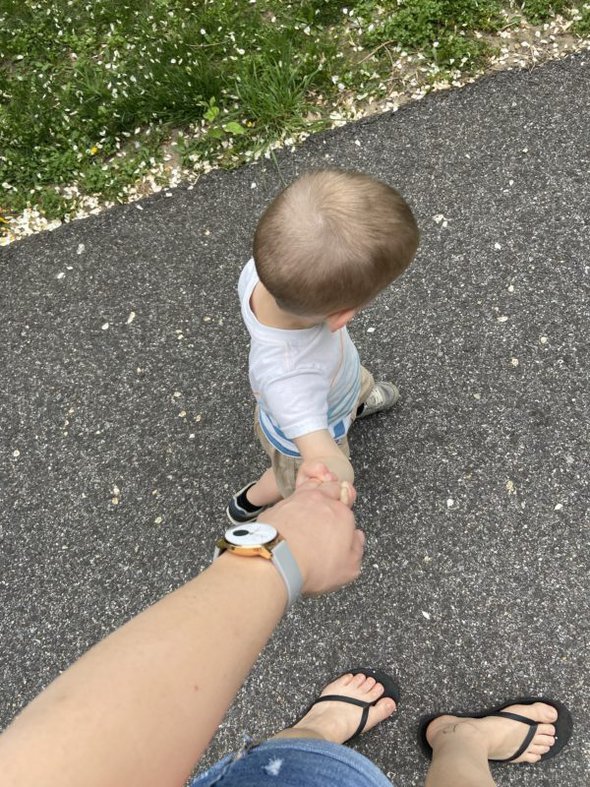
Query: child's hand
{"type": "Point", "coordinates": [317, 471]}
{"type": "Point", "coordinates": [313, 470]}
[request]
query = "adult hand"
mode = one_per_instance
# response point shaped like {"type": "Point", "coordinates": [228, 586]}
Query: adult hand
{"type": "Point", "coordinates": [322, 534]}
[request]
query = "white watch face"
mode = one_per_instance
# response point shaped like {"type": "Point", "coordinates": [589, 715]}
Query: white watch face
{"type": "Point", "coordinates": [251, 534]}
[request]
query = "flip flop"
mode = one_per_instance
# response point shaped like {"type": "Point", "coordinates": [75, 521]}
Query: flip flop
{"type": "Point", "coordinates": [563, 725]}
{"type": "Point", "coordinates": [391, 691]}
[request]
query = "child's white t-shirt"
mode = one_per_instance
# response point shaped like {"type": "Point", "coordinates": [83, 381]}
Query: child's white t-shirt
{"type": "Point", "coordinates": [303, 380]}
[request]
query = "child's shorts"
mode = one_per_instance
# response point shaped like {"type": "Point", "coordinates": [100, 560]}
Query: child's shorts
{"type": "Point", "coordinates": [285, 467]}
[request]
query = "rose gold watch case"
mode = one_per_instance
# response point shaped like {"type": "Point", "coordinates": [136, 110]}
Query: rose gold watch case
{"type": "Point", "coordinates": [259, 550]}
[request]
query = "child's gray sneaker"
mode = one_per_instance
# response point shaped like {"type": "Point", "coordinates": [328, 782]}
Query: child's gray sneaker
{"type": "Point", "coordinates": [382, 397]}
{"type": "Point", "coordinates": [240, 510]}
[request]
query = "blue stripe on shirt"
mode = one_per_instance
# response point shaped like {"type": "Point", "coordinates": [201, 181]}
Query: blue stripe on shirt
{"type": "Point", "coordinates": [281, 447]}
{"type": "Point", "coordinates": [337, 430]}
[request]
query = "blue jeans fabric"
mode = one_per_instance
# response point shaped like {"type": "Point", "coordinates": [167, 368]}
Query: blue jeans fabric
{"type": "Point", "coordinates": [294, 762]}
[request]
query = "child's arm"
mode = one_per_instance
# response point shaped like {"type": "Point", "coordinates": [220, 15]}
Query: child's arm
{"type": "Point", "coordinates": [321, 447]}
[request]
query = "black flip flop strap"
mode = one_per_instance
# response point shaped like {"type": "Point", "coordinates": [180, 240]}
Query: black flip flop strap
{"type": "Point", "coordinates": [533, 726]}
{"type": "Point", "coordinates": [352, 701]}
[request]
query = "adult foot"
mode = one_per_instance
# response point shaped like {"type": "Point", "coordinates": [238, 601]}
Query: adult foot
{"type": "Point", "coordinates": [500, 736]}
{"type": "Point", "coordinates": [337, 721]}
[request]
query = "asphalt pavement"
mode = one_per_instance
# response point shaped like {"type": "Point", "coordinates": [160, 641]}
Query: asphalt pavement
{"type": "Point", "coordinates": [125, 422]}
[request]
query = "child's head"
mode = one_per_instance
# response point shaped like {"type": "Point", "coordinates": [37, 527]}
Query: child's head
{"type": "Point", "coordinates": [332, 240]}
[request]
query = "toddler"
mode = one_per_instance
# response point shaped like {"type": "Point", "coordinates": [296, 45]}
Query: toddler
{"type": "Point", "coordinates": [323, 249]}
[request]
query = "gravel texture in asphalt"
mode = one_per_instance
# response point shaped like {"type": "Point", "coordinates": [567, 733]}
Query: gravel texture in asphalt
{"type": "Point", "coordinates": [126, 422]}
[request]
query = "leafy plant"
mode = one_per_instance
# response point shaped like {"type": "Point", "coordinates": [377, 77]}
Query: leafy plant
{"type": "Point", "coordinates": [91, 90]}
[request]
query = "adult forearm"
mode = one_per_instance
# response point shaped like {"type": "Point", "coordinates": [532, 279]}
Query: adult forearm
{"type": "Point", "coordinates": [141, 706]}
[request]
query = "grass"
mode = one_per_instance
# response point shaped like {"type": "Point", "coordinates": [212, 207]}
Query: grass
{"type": "Point", "coordinates": [90, 91]}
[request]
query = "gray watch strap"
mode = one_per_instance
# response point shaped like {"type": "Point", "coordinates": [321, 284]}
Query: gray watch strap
{"type": "Point", "coordinates": [286, 565]}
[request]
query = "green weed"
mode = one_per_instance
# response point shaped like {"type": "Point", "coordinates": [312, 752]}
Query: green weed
{"type": "Point", "coordinates": [91, 89]}
{"type": "Point", "coordinates": [537, 11]}
{"type": "Point", "coordinates": [441, 28]}
{"type": "Point", "coordinates": [582, 26]}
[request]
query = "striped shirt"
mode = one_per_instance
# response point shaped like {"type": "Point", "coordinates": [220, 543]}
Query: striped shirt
{"type": "Point", "coordinates": [303, 380]}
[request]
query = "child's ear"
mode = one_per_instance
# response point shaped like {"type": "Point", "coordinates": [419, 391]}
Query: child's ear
{"type": "Point", "coordinates": [340, 319]}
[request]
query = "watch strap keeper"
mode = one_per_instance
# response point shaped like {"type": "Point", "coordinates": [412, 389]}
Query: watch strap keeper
{"type": "Point", "coordinates": [286, 565]}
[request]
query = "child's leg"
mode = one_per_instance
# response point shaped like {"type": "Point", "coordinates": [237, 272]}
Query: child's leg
{"type": "Point", "coordinates": [367, 385]}
{"type": "Point", "coordinates": [247, 504]}
{"type": "Point", "coordinates": [265, 491]}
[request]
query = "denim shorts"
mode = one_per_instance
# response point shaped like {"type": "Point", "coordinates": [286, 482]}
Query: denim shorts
{"type": "Point", "coordinates": [294, 762]}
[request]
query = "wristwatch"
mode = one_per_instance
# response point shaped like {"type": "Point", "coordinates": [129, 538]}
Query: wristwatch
{"type": "Point", "coordinates": [257, 539]}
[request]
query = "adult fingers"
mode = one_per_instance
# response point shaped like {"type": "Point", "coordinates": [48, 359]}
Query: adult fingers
{"type": "Point", "coordinates": [349, 567]}
{"type": "Point", "coordinates": [343, 491]}
{"type": "Point", "coordinates": [358, 543]}
{"type": "Point", "coordinates": [331, 489]}
{"type": "Point", "coordinates": [357, 549]}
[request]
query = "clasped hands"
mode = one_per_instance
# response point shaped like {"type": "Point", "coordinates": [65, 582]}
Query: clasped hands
{"type": "Point", "coordinates": [320, 528]}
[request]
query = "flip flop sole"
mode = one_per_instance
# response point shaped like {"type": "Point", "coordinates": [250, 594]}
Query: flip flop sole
{"type": "Point", "coordinates": [390, 686]}
{"type": "Point", "coordinates": [563, 725]}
